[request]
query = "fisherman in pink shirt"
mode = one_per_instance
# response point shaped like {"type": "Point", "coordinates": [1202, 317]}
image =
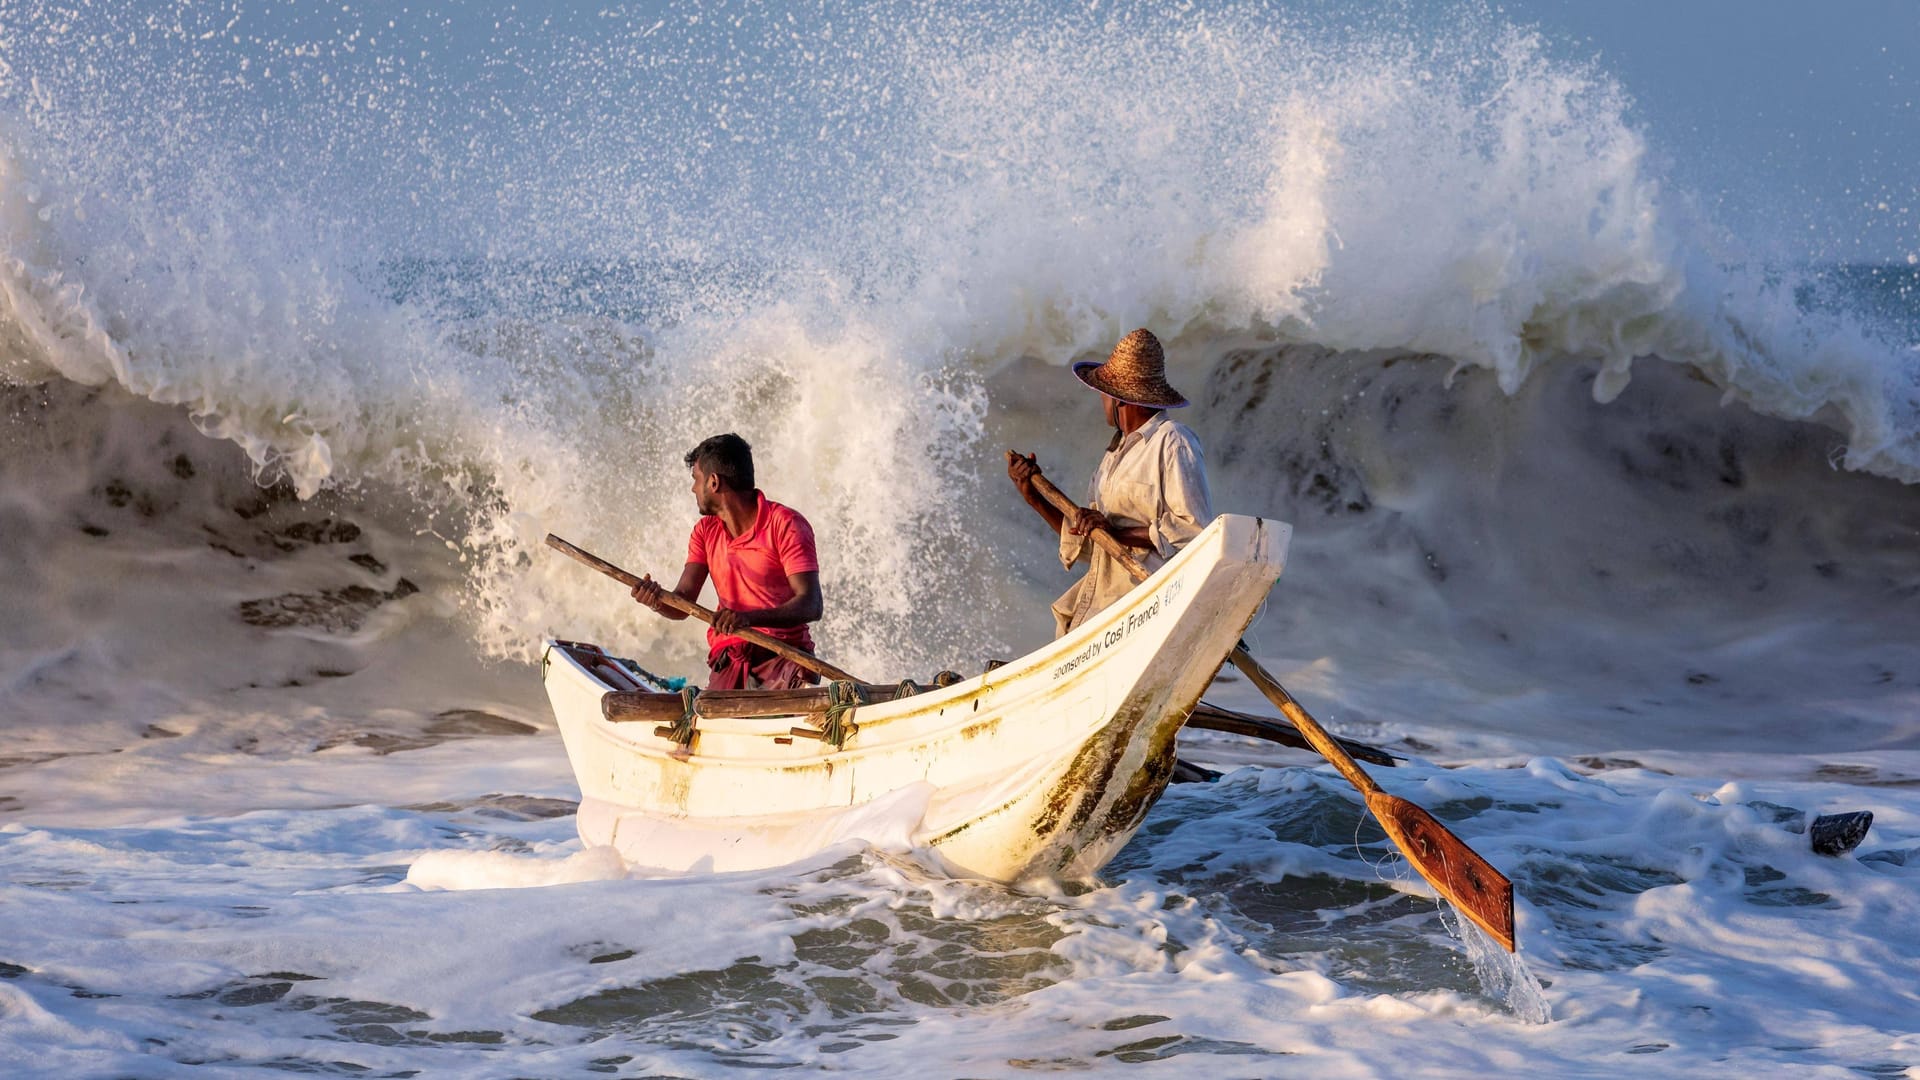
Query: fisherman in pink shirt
{"type": "Point", "coordinates": [761, 557]}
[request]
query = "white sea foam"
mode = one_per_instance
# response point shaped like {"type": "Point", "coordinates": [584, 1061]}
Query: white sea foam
{"type": "Point", "coordinates": [499, 870]}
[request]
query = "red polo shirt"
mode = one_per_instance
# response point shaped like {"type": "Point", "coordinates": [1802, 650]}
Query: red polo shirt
{"type": "Point", "coordinates": [750, 571]}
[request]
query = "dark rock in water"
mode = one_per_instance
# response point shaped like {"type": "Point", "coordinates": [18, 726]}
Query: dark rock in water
{"type": "Point", "coordinates": [8, 761]}
{"type": "Point", "coordinates": [301, 533]}
{"type": "Point", "coordinates": [1837, 834]}
{"type": "Point", "coordinates": [443, 727]}
{"type": "Point", "coordinates": [1789, 818]}
{"type": "Point", "coordinates": [380, 742]}
{"type": "Point", "coordinates": [368, 563]}
{"type": "Point", "coordinates": [121, 495]}
{"type": "Point", "coordinates": [502, 807]}
{"type": "Point", "coordinates": [456, 723]}
{"type": "Point", "coordinates": [252, 506]}
{"type": "Point", "coordinates": [330, 609]}
{"type": "Point", "coordinates": [339, 610]}
{"type": "Point", "coordinates": [1829, 834]}
{"type": "Point", "coordinates": [1600, 763]}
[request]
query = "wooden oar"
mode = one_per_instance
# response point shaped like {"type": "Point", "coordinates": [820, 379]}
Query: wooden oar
{"type": "Point", "coordinates": [1455, 870]}
{"type": "Point", "coordinates": [679, 603]}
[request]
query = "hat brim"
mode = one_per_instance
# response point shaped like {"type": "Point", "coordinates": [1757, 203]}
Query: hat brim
{"type": "Point", "coordinates": [1156, 396]}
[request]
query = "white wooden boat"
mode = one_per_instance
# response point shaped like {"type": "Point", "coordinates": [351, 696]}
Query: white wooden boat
{"type": "Point", "coordinates": [1037, 770]}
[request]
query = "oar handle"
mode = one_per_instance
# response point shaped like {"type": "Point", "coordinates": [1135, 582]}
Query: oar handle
{"type": "Point", "coordinates": [1309, 727]}
{"type": "Point", "coordinates": [682, 604]}
{"type": "Point", "coordinates": [1120, 552]}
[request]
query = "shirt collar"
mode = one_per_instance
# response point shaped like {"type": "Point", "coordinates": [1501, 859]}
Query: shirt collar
{"type": "Point", "coordinates": [759, 520]}
{"type": "Point", "coordinates": [1140, 434]}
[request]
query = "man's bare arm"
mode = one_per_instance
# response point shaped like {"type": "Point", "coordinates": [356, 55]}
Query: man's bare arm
{"type": "Point", "coordinates": [803, 607]}
{"type": "Point", "coordinates": [693, 578]}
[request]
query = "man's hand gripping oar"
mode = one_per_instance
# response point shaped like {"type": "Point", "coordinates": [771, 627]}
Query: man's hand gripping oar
{"type": "Point", "coordinates": [680, 603]}
{"type": "Point", "coordinates": [1455, 870]}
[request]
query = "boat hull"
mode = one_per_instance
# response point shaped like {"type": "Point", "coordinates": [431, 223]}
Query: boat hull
{"type": "Point", "coordinates": [1038, 770]}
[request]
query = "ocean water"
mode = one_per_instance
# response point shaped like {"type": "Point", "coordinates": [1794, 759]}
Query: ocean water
{"type": "Point", "coordinates": [314, 322]}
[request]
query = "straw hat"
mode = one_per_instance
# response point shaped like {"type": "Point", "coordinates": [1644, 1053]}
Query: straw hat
{"type": "Point", "coordinates": [1135, 372]}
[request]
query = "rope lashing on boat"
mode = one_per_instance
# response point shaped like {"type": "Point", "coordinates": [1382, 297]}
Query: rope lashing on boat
{"type": "Point", "coordinates": [681, 731]}
{"type": "Point", "coordinates": [941, 680]}
{"type": "Point", "coordinates": [843, 697]}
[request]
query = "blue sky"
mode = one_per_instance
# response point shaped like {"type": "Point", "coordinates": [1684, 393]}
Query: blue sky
{"type": "Point", "coordinates": [1778, 112]}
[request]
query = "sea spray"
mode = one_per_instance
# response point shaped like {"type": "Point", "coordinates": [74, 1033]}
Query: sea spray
{"type": "Point", "coordinates": [523, 328]}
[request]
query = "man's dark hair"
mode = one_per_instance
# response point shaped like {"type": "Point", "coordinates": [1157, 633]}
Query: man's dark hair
{"type": "Point", "coordinates": [727, 457]}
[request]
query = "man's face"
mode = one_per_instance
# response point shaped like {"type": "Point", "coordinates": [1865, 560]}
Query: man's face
{"type": "Point", "coordinates": [1110, 407]}
{"type": "Point", "coordinates": [706, 491]}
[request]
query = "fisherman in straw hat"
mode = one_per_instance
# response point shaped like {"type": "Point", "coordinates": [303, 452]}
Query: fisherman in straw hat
{"type": "Point", "coordinates": [1150, 491]}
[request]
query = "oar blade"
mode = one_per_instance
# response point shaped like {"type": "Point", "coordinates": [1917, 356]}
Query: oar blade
{"type": "Point", "coordinates": [1455, 870]}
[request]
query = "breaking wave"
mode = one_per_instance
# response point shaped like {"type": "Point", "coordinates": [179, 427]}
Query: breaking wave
{"type": "Point", "coordinates": [488, 286]}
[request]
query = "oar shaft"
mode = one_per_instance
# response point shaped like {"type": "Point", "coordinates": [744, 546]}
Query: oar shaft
{"type": "Point", "coordinates": [1308, 727]}
{"type": "Point", "coordinates": [689, 607]}
{"type": "Point", "coordinates": [1070, 509]}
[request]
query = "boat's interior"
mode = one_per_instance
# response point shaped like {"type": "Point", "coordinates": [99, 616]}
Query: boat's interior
{"type": "Point", "coordinates": [614, 672]}
{"type": "Point", "coordinates": [642, 695]}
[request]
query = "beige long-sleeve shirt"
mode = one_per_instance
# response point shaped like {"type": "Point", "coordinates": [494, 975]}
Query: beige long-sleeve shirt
{"type": "Point", "coordinates": [1155, 478]}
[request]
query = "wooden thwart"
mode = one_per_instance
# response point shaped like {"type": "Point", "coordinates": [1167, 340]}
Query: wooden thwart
{"type": "Point", "coordinates": [1455, 870]}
